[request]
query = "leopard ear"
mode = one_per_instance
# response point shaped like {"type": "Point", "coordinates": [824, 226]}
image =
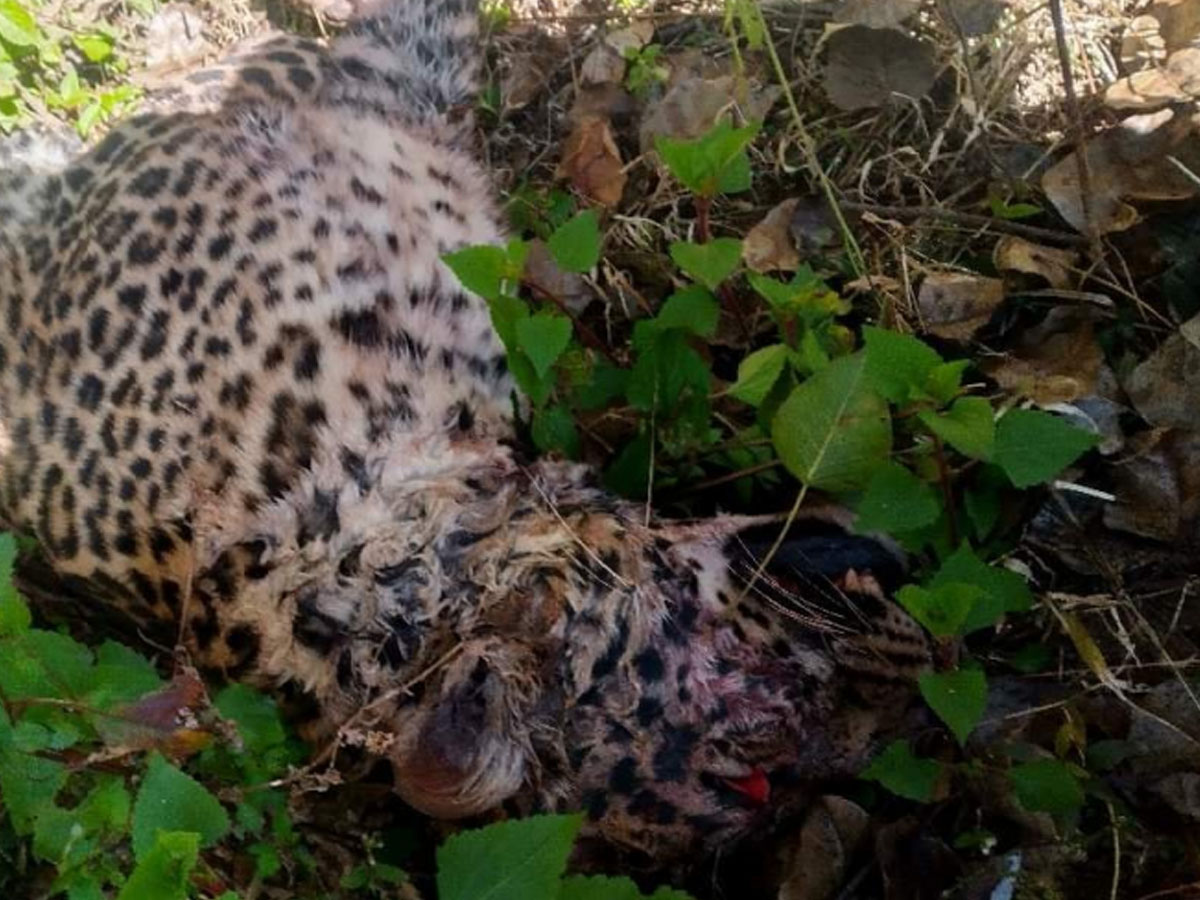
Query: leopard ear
{"type": "Point", "coordinates": [463, 754]}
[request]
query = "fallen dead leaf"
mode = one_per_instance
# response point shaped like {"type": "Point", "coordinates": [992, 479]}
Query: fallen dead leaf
{"type": "Point", "coordinates": [1178, 81]}
{"type": "Point", "coordinates": [608, 101]}
{"type": "Point", "coordinates": [635, 36]}
{"type": "Point", "coordinates": [1142, 44]}
{"type": "Point", "coordinates": [768, 246]}
{"type": "Point", "coordinates": [866, 67]}
{"type": "Point", "coordinates": [1158, 488]}
{"type": "Point", "coordinates": [974, 17]}
{"type": "Point", "coordinates": [875, 13]}
{"type": "Point", "coordinates": [603, 65]}
{"type": "Point", "coordinates": [543, 273]}
{"type": "Point", "coordinates": [1127, 163]}
{"type": "Point", "coordinates": [175, 37]}
{"type": "Point", "coordinates": [592, 162]}
{"type": "Point", "coordinates": [814, 865]}
{"type": "Point", "coordinates": [1165, 387]}
{"type": "Point", "coordinates": [1015, 254]}
{"type": "Point", "coordinates": [814, 225]}
{"type": "Point", "coordinates": [693, 105]}
{"type": "Point", "coordinates": [1058, 361]}
{"type": "Point", "coordinates": [1179, 21]}
{"type": "Point", "coordinates": [527, 66]}
{"type": "Point", "coordinates": [954, 305]}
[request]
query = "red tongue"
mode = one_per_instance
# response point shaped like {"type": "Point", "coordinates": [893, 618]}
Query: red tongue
{"type": "Point", "coordinates": [753, 787]}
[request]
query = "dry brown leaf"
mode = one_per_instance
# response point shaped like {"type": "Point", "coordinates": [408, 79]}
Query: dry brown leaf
{"type": "Point", "coordinates": [604, 65]}
{"type": "Point", "coordinates": [608, 101]}
{"type": "Point", "coordinates": [1058, 361]}
{"type": "Point", "coordinates": [1176, 82]}
{"type": "Point", "coordinates": [693, 104]}
{"type": "Point", "coordinates": [814, 865]}
{"type": "Point", "coordinates": [1127, 163]}
{"type": "Point", "coordinates": [875, 13]}
{"type": "Point", "coordinates": [1158, 487]}
{"type": "Point", "coordinates": [592, 162]}
{"type": "Point", "coordinates": [633, 37]}
{"type": "Point", "coordinates": [543, 273]}
{"type": "Point", "coordinates": [1142, 44]}
{"type": "Point", "coordinates": [1015, 254]}
{"type": "Point", "coordinates": [955, 305]}
{"type": "Point", "coordinates": [768, 246]}
{"type": "Point", "coordinates": [866, 67]}
{"type": "Point", "coordinates": [175, 37]}
{"type": "Point", "coordinates": [1165, 387]}
{"type": "Point", "coordinates": [974, 17]}
{"type": "Point", "coordinates": [1179, 21]}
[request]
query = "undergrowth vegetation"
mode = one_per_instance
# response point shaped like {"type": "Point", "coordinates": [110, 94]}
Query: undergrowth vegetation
{"type": "Point", "coordinates": [116, 781]}
{"type": "Point", "coordinates": [67, 66]}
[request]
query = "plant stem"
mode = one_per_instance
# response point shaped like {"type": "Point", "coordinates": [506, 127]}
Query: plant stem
{"type": "Point", "coordinates": [939, 452]}
{"type": "Point", "coordinates": [703, 207]}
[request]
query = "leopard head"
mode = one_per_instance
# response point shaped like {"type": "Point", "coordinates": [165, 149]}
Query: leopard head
{"type": "Point", "coordinates": [515, 638]}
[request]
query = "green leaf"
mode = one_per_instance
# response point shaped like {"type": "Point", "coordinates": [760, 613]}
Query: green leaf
{"type": "Point", "coordinates": [17, 25]}
{"type": "Point", "coordinates": [599, 887]}
{"type": "Point", "coordinates": [1033, 447]}
{"type": "Point", "coordinates": [693, 309]}
{"type": "Point", "coordinates": [519, 859]}
{"type": "Point", "coordinates": [758, 372]}
{"type": "Point", "coordinates": [664, 370]}
{"type": "Point", "coordinates": [943, 610]}
{"type": "Point", "coordinates": [833, 431]}
{"type": "Point", "coordinates": [984, 499]}
{"type": "Point", "coordinates": [1004, 210]}
{"type": "Point", "coordinates": [29, 784]}
{"type": "Point", "coordinates": [629, 474]}
{"type": "Point", "coordinates": [543, 338]}
{"type": "Point", "coordinates": [14, 613]}
{"type": "Point", "coordinates": [59, 838]}
{"type": "Point", "coordinates": [121, 676]}
{"type": "Point", "coordinates": [1004, 591]}
{"type": "Point", "coordinates": [959, 698]}
{"type": "Point", "coordinates": [896, 500]}
{"type": "Point", "coordinates": [554, 431]}
{"type": "Point", "coordinates": [1031, 659]}
{"type": "Point", "coordinates": [968, 426]}
{"type": "Point", "coordinates": [711, 263]}
{"type": "Point", "coordinates": [897, 363]}
{"type": "Point", "coordinates": [162, 871]}
{"type": "Point", "coordinates": [575, 245]}
{"type": "Point", "coordinates": [713, 163]}
{"type": "Point", "coordinates": [480, 269]}
{"type": "Point", "coordinates": [487, 270]}
{"type": "Point", "coordinates": [256, 716]}
{"type": "Point", "coordinates": [736, 176]}
{"type": "Point", "coordinates": [170, 800]}
{"type": "Point", "coordinates": [39, 663]}
{"type": "Point", "coordinates": [944, 380]}
{"type": "Point", "coordinates": [1046, 785]}
{"type": "Point", "coordinates": [905, 775]}
{"type": "Point", "coordinates": [94, 47]}
{"type": "Point", "coordinates": [606, 384]}
{"type": "Point", "coordinates": [107, 807]}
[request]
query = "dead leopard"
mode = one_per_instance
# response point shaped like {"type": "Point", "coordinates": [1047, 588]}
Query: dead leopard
{"type": "Point", "coordinates": [240, 391]}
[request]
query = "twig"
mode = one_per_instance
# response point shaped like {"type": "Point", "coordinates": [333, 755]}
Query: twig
{"type": "Point", "coordinates": [973, 220]}
{"type": "Point", "coordinates": [1081, 160]}
{"type": "Point", "coordinates": [589, 337]}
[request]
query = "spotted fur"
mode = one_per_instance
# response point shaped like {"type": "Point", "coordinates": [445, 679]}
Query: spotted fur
{"type": "Point", "coordinates": [239, 391]}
